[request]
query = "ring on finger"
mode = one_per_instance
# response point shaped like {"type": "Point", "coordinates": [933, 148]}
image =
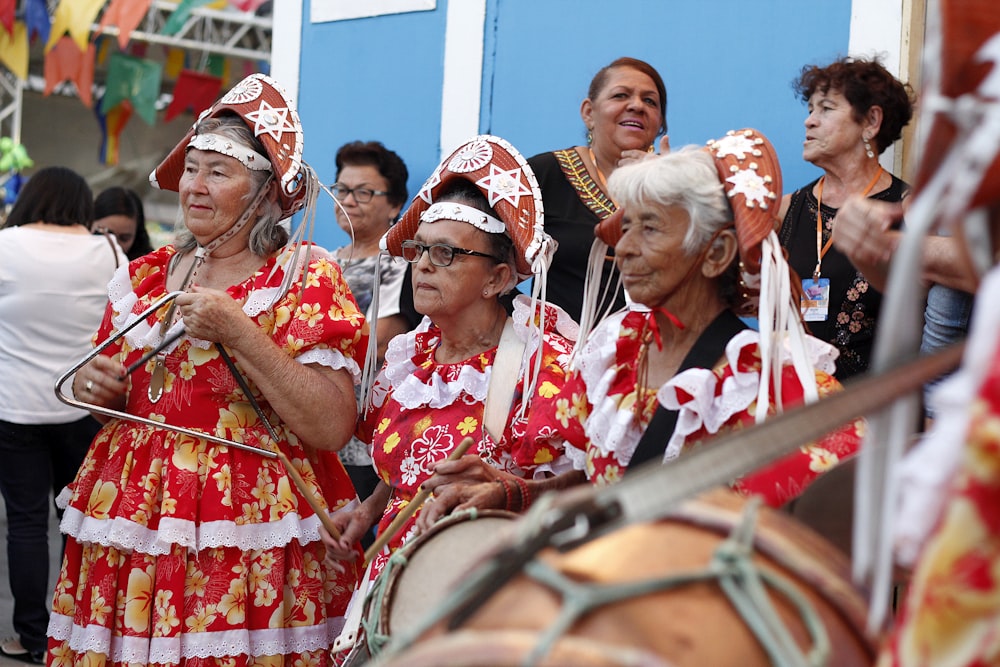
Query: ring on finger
{"type": "Point", "coordinates": [89, 386]}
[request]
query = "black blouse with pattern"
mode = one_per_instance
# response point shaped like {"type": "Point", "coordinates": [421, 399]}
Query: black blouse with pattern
{"type": "Point", "coordinates": [854, 303]}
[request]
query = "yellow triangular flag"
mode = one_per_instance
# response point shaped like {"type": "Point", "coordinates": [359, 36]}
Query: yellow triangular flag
{"type": "Point", "coordinates": [76, 18]}
{"type": "Point", "coordinates": [14, 50]}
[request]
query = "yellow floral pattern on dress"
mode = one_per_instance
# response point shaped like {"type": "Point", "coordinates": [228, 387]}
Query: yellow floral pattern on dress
{"type": "Point", "coordinates": [161, 520]}
{"type": "Point", "coordinates": [406, 443]}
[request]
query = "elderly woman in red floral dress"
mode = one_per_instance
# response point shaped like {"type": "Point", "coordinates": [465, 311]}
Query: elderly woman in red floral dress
{"type": "Point", "coordinates": [182, 549]}
{"type": "Point", "coordinates": [693, 245]}
{"type": "Point", "coordinates": [473, 231]}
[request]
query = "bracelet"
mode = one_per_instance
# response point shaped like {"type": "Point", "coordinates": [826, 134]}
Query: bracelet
{"type": "Point", "coordinates": [506, 493]}
{"type": "Point", "coordinates": [522, 487]}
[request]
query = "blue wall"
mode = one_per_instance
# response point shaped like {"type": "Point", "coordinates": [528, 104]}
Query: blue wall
{"type": "Point", "coordinates": [726, 63]}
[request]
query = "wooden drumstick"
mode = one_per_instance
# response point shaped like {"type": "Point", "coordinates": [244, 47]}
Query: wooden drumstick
{"type": "Point", "coordinates": [407, 512]}
{"type": "Point", "coordinates": [307, 493]}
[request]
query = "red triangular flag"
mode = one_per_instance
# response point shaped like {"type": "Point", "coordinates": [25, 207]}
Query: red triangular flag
{"type": "Point", "coordinates": [66, 61]}
{"type": "Point", "coordinates": [7, 15]}
{"type": "Point", "coordinates": [195, 91]}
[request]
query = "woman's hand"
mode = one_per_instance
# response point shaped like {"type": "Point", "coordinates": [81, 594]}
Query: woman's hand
{"type": "Point", "coordinates": [102, 381]}
{"type": "Point", "coordinates": [634, 155]}
{"type": "Point", "coordinates": [213, 315]}
{"type": "Point", "coordinates": [352, 525]}
{"type": "Point", "coordinates": [462, 484]}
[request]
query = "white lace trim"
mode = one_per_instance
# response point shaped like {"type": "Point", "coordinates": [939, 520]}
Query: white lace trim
{"type": "Point", "coordinates": [614, 431]}
{"type": "Point", "coordinates": [411, 392]}
{"type": "Point", "coordinates": [171, 650]}
{"type": "Point", "coordinates": [128, 535]}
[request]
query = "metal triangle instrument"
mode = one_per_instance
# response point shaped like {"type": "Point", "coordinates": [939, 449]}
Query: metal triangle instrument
{"type": "Point", "coordinates": [100, 409]}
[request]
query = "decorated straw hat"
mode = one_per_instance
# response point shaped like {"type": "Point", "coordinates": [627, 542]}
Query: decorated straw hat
{"type": "Point", "coordinates": [270, 114]}
{"type": "Point", "coordinates": [504, 177]}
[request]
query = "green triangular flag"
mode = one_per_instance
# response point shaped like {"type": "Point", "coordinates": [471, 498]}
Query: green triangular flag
{"type": "Point", "coordinates": [136, 80]}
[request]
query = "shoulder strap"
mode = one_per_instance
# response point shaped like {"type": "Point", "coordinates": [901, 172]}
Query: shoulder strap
{"type": "Point", "coordinates": [503, 379]}
{"type": "Point", "coordinates": [707, 350]}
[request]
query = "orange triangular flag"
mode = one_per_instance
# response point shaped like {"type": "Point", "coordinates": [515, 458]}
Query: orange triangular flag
{"type": "Point", "coordinates": [126, 15]}
{"type": "Point", "coordinates": [67, 62]}
{"type": "Point", "coordinates": [14, 50]}
{"type": "Point", "coordinates": [74, 17]}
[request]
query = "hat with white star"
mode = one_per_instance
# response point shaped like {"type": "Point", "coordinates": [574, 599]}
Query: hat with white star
{"type": "Point", "coordinates": [751, 175]}
{"type": "Point", "coordinates": [271, 115]}
{"type": "Point", "coordinates": [510, 186]}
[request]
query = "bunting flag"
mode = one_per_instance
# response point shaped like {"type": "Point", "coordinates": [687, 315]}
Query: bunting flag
{"type": "Point", "coordinates": [136, 80]}
{"type": "Point", "coordinates": [218, 65]}
{"type": "Point", "coordinates": [126, 15]}
{"type": "Point", "coordinates": [179, 16]}
{"type": "Point", "coordinates": [112, 123]}
{"type": "Point", "coordinates": [74, 17]}
{"type": "Point", "coordinates": [175, 62]}
{"type": "Point", "coordinates": [247, 5]}
{"type": "Point", "coordinates": [14, 50]}
{"type": "Point", "coordinates": [7, 15]}
{"type": "Point", "coordinates": [103, 45]}
{"type": "Point", "coordinates": [195, 91]}
{"type": "Point", "coordinates": [36, 16]}
{"type": "Point", "coordinates": [65, 62]}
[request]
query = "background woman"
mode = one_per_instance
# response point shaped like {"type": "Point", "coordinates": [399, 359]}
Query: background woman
{"type": "Point", "coordinates": [856, 110]}
{"type": "Point", "coordinates": [53, 286]}
{"type": "Point", "coordinates": [625, 110]}
{"type": "Point", "coordinates": [120, 212]}
{"type": "Point", "coordinates": [183, 549]}
{"type": "Point", "coordinates": [465, 254]}
{"type": "Point", "coordinates": [371, 187]}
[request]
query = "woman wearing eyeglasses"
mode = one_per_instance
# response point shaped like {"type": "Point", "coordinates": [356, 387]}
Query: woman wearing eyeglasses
{"type": "Point", "coordinates": [465, 254]}
{"type": "Point", "coordinates": [371, 189]}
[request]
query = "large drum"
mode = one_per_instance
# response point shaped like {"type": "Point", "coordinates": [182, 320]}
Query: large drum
{"type": "Point", "coordinates": [691, 622]}
{"type": "Point", "coordinates": [420, 575]}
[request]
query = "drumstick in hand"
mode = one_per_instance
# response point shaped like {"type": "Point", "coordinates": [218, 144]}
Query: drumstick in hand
{"type": "Point", "coordinates": [412, 507]}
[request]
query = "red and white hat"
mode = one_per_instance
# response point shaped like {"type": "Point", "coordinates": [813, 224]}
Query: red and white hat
{"type": "Point", "coordinates": [509, 184]}
{"type": "Point", "coordinates": [271, 115]}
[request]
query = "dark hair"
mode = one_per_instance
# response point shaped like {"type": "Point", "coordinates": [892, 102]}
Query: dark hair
{"type": "Point", "coordinates": [466, 192]}
{"type": "Point", "coordinates": [56, 195]}
{"type": "Point", "coordinates": [865, 84]}
{"type": "Point", "coordinates": [387, 162]}
{"type": "Point", "coordinates": [601, 79]}
{"type": "Point", "coordinates": [122, 201]}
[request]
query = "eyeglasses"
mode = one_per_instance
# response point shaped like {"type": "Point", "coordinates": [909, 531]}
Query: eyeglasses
{"type": "Point", "coordinates": [441, 254]}
{"type": "Point", "coordinates": [361, 195]}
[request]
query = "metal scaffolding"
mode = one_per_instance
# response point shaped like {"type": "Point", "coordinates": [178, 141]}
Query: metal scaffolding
{"type": "Point", "coordinates": [206, 32]}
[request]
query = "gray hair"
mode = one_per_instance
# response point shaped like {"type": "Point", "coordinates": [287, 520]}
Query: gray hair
{"type": "Point", "coordinates": [685, 178]}
{"type": "Point", "coordinates": [266, 236]}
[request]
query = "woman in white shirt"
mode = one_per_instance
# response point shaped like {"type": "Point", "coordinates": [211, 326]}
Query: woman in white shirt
{"type": "Point", "coordinates": [53, 289]}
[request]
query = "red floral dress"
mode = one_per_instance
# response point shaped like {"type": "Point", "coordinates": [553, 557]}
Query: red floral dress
{"type": "Point", "coordinates": [951, 615]}
{"type": "Point", "coordinates": [421, 411]}
{"type": "Point", "coordinates": [598, 414]}
{"type": "Point", "coordinates": [183, 551]}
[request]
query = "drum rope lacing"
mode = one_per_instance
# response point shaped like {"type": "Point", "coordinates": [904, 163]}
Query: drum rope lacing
{"type": "Point", "coordinates": [740, 578]}
{"type": "Point", "coordinates": [743, 581]}
{"type": "Point", "coordinates": [377, 639]}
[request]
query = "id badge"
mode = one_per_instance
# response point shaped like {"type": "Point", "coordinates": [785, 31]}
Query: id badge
{"type": "Point", "coordinates": [815, 299]}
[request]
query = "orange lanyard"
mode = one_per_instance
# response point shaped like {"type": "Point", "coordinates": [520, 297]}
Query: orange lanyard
{"type": "Point", "coordinates": [820, 248]}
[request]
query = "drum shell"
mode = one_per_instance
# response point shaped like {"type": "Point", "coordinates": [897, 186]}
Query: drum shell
{"type": "Point", "coordinates": [693, 625]}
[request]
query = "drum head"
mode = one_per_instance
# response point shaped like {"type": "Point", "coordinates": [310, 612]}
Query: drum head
{"type": "Point", "coordinates": [436, 562]}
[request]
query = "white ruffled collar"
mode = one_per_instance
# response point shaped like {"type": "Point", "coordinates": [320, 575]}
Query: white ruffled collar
{"type": "Point", "coordinates": [439, 385]}
{"type": "Point", "coordinates": [614, 431]}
